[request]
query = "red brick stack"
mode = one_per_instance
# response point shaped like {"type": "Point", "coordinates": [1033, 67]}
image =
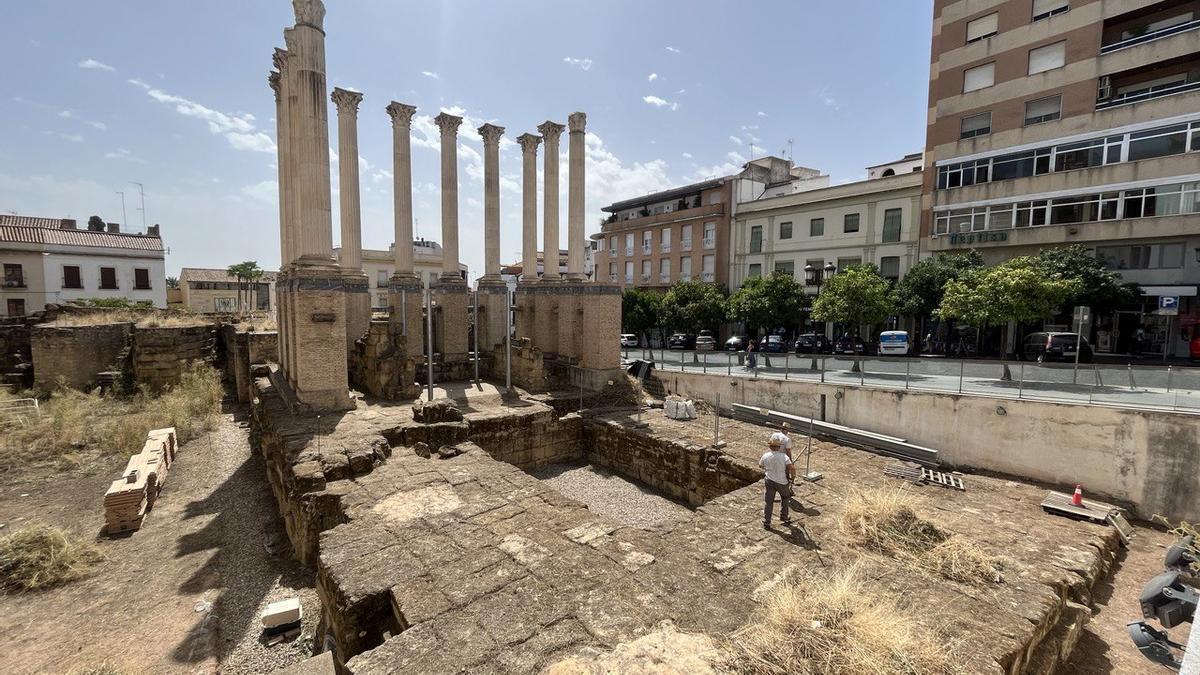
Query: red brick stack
{"type": "Point", "coordinates": [129, 497]}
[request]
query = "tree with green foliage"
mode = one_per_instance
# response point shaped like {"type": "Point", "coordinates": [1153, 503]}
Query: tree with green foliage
{"type": "Point", "coordinates": [919, 293]}
{"type": "Point", "coordinates": [1098, 287]}
{"type": "Point", "coordinates": [1018, 290]}
{"type": "Point", "coordinates": [768, 302]}
{"type": "Point", "coordinates": [640, 310]}
{"type": "Point", "coordinates": [854, 296]}
{"type": "Point", "coordinates": [96, 224]}
{"type": "Point", "coordinates": [693, 306]}
{"type": "Point", "coordinates": [246, 273]}
{"type": "Point", "coordinates": [172, 282]}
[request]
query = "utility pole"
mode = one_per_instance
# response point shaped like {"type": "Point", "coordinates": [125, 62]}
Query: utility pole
{"type": "Point", "coordinates": [142, 208]}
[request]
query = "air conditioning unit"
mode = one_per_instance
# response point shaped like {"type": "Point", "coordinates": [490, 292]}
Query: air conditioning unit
{"type": "Point", "coordinates": [1104, 92]}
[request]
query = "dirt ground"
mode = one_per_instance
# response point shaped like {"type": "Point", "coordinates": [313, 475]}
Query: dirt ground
{"type": "Point", "coordinates": [181, 595]}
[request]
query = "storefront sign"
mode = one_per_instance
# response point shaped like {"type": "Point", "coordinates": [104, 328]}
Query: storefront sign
{"type": "Point", "coordinates": [962, 238]}
{"type": "Point", "coordinates": [1168, 305]}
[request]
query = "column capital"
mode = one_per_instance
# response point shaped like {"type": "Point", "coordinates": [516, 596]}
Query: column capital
{"type": "Point", "coordinates": [401, 113]}
{"type": "Point", "coordinates": [576, 121]}
{"type": "Point", "coordinates": [310, 12]}
{"type": "Point", "coordinates": [273, 79]}
{"type": "Point", "coordinates": [550, 131]}
{"type": "Point", "coordinates": [529, 142]}
{"type": "Point", "coordinates": [346, 100]}
{"type": "Point", "coordinates": [279, 59]}
{"type": "Point", "coordinates": [448, 123]}
{"type": "Point", "coordinates": [491, 133]}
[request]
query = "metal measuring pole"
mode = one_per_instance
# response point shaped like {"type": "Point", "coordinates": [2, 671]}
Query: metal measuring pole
{"type": "Point", "coordinates": [475, 319]}
{"type": "Point", "coordinates": [429, 337]}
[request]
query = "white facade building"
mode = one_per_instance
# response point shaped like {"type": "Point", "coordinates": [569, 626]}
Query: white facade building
{"type": "Point", "coordinates": [379, 266]}
{"type": "Point", "coordinates": [51, 260]}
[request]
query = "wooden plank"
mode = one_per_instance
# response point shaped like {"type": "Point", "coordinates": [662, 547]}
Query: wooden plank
{"type": "Point", "coordinates": [1091, 510]}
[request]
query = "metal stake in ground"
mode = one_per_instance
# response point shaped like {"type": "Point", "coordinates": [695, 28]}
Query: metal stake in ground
{"type": "Point", "coordinates": [475, 321]}
{"type": "Point", "coordinates": [429, 336]}
{"type": "Point", "coordinates": [810, 475]}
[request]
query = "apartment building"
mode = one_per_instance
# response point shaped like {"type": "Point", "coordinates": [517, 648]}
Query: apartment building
{"type": "Point", "coordinates": [685, 233]}
{"type": "Point", "coordinates": [1056, 122]}
{"type": "Point", "coordinates": [874, 221]}
{"type": "Point", "coordinates": [379, 266]}
{"type": "Point", "coordinates": [515, 270]}
{"type": "Point", "coordinates": [210, 291]}
{"type": "Point", "coordinates": [50, 260]}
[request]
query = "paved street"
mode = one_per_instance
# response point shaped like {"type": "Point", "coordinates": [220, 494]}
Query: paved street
{"type": "Point", "coordinates": [1170, 387]}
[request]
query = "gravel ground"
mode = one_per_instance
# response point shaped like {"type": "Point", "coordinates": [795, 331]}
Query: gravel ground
{"type": "Point", "coordinates": [613, 496]}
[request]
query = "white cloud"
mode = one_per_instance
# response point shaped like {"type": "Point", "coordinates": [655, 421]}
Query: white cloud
{"type": "Point", "coordinates": [673, 50]}
{"type": "Point", "coordinates": [97, 125]}
{"type": "Point", "coordinates": [125, 155]}
{"type": "Point", "coordinates": [267, 191]}
{"type": "Point", "coordinates": [237, 128]}
{"type": "Point", "coordinates": [681, 91]}
{"type": "Point", "coordinates": [735, 157]}
{"type": "Point", "coordinates": [66, 114]}
{"type": "Point", "coordinates": [93, 64]}
{"type": "Point", "coordinates": [138, 82]}
{"type": "Point", "coordinates": [735, 140]}
{"type": "Point", "coordinates": [430, 74]}
{"type": "Point", "coordinates": [687, 155]}
{"type": "Point", "coordinates": [609, 179]}
{"type": "Point", "coordinates": [825, 97]}
{"type": "Point", "coordinates": [748, 127]}
{"type": "Point", "coordinates": [761, 113]}
{"type": "Point", "coordinates": [652, 77]}
{"type": "Point", "coordinates": [660, 102]}
{"type": "Point", "coordinates": [257, 141]}
{"type": "Point", "coordinates": [584, 64]}
{"type": "Point", "coordinates": [751, 138]}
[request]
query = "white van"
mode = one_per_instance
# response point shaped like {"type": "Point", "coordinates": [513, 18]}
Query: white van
{"type": "Point", "coordinates": [893, 343]}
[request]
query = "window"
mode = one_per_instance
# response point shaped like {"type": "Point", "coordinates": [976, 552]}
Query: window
{"type": "Point", "coordinates": [1048, 57]}
{"type": "Point", "coordinates": [666, 240]}
{"type": "Point", "coordinates": [108, 278]}
{"type": "Point", "coordinates": [71, 277]}
{"type": "Point", "coordinates": [645, 270]}
{"type": "Point", "coordinates": [629, 271]}
{"type": "Point", "coordinates": [1085, 154]}
{"type": "Point", "coordinates": [816, 227]}
{"type": "Point", "coordinates": [983, 27]}
{"type": "Point", "coordinates": [16, 307]}
{"type": "Point", "coordinates": [850, 222]}
{"type": "Point", "coordinates": [891, 225]}
{"type": "Point", "coordinates": [785, 230]}
{"type": "Point", "coordinates": [141, 279]}
{"type": "Point", "coordinates": [612, 271]}
{"type": "Point", "coordinates": [710, 235]}
{"type": "Point", "coordinates": [664, 270]}
{"type": "Point", "coordinates": [708, 267]}
{"type": "Point", "coordinates": [647, 238]}
{"type": "Point", "coordinates": [756, 239]}
{"type": "Point", "coordinates": [889, 267]}
{"type": "Point", "coordinates": [1047, 8]}
{"type": "Point", "coordinates": [381, 279]}
{"type": "Point", "coordinates": [1142, 257]}
{"type": "Point", "coordinates": [975, 125]}
{"type": "Point", "coordinates": [629, 243]}
{"type": "Point", "coordinates": [1043, 110]}
{"type": "Point", "coordinates": [844, 264]}
{"type": "Point", "coordinates": [1170, 140]}
{"type": "Point", "coordinates": [612, 246]}
{"type": "Point", "coordinates": [685, 238]}
{"type": "Point", "coordinates": [788, 267]}
{"type": "Point", "coordinates": [979, 77]}
{"type": "Point", "coordinates": [14, 276]}
{"type": "Point", "coordinates": [685, 268]}
{"type": "Point", "coordinates": [714, 198]}
{"type": "Point", "coordinates": [755, 271]}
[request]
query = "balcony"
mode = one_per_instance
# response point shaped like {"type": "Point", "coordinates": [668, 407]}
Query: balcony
{"type": "Point", "coordinates": [1148, 24]}
{"type": "Point", "coordinates": [647, 248]}
{"type": "Point", "coordinates": [683, 276]}
{"type": "Point", "coordinates": [629, 278]}
{"type": "Point", "coordinates": [710, 242]}
{"type": "Point", "coordinates": [685, 245]}
{"type": "Point", "coordinates": [665, 247]}
{"type": "Point", "coordinates": [664, 278]}
{"type": "Point", "coordinates": [645, 277]}
{"type": "Point", "coordinates": [1166, 78]}
{"type": "Point", "coordinates": [706, 210]}
{"type": "Point", "coordinates": [708, 276]}
{"type": "Point", "coordinates": [628, 250]}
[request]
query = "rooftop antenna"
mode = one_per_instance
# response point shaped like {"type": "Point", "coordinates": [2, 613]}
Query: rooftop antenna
{"type": "Point", "coordinates": [124, 216]}
{"type": "Point", "coordinates": [417, 227]}
{"type": "Point", "coordinates": [789, 150]}
{"type": "Point", "coordinates": [142, 208]}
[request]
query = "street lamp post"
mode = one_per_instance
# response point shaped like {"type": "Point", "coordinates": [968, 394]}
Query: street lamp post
{"type": "Point", "coordinates": [815, 276]}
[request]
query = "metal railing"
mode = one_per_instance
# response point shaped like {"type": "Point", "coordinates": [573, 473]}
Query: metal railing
{"type": "Point", "coordinates": [1150, 37]}
{"type": "Point", "coordinates": [1148, 94]}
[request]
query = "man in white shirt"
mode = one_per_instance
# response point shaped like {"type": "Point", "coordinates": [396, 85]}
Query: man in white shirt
{"type": "Point", "coordinates": [778, 470]}
{"type": "Point", "coordinates": [785, 429]}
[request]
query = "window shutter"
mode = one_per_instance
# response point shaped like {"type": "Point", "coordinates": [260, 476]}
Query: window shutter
{"type": "Point", "coordinates": [1045, 7]}
{"type": "Point", "coordinates": [979, 77]}
{"type": "Point", "coordinates": [977, 124]}
{"type": "Point", "coordinates": [1043, 107]}
{"type": "Point", "coordinates": [982, 27]}
{"type": "Point", "coordinates": [1047, 58]}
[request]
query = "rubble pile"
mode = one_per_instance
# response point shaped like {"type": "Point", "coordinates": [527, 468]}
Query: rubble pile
{"type": "Point", "coordinates": [134, 493]}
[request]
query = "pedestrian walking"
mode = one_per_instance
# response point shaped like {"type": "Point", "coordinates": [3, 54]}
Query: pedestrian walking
{"type": "Point", "coordinates": [751, 356]}
{"type": "Point", "coordinates": [778, 471]}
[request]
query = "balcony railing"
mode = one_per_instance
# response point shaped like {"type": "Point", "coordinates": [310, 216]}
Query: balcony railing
{"type": "Point", "coordinates": [1150, 37]}
{"type": "Point", "coordinates": [664, 278]}
{"type": "Point", "coordinates": [1148, 93]}
{"type": "Point", "coordinates": [645, 277]}
{"type": "Point", "coordinates": [685, 277]}
{"type": "Point", "coordinates": [685, 245]}
{"type": "Point", "coordinates": [646, 249]}
{"type": "Point", "coordinates": [612, 277]}
{"type": "Point", "coordinates": [710, 242]}
{"type": "Point", "coordinates": [666, 247]}
{"type": "Point", "coordinates": [612, 252]}
{"type": "Point", "coordinates": [628, 250]}
{"type": "Point", "coordinates": [708, 276]}
{"type": "Point", "coordinates": [629, 278]}
{"type": "Point", "coordinates": [668, 217]}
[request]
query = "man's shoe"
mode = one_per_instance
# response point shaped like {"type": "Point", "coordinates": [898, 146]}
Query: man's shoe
{"type": "Point", "coordinates": [786, 521]}
{"type": "Point", "coordinates": [766, 526]}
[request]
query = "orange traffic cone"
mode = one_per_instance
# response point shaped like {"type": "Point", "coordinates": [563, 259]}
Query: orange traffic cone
{"type": "Point", "coordinates": [1077, 498]}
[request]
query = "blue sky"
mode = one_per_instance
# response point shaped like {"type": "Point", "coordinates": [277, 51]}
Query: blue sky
{"type": "Point", "coordinates": [173, 95]}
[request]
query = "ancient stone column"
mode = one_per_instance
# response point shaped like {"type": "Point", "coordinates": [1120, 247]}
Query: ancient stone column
{"type": "Point", "coordinates": [448, 124]}
{"type": "Point", "coordinates": [491, 199]}
{"type": "Point", "coordinates": [550, 133]}
{"type": "Point", "coordinates": [274, 79]}
{"type": "Point", "coordinates": [529, 145]}
{"type": "Point", "coordinates": [401, 115]}
{"type": "Point", "coordinates": [310, 126]}
{"type": "Point", "coordinates": [358, 297]}
{"type": "Point", "coordinates": [285, 158]}
{"type": "Point", "coordinates": [575, 196]}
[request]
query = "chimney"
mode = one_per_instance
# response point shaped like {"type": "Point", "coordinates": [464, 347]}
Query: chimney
{"type": "Point", "coordinates": [152, 231]}
{"type": "Point", "coordinates": [66, 224]}
{"type": "Point", "coordinates": [114, 228]}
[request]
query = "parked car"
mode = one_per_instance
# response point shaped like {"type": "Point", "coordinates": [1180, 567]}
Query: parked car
{"type": "Point", "coordinates": [813, 343]}
{"type": "Point", "coordinates": [1054, 347]}
{"type": "Point", "coordinates": [705, 343]}
{"type": "Point", "coordinates": [894, 343]}
{"type": "Point", "coordinates": [849, 345]}
{"type": "Point", "coordinates": [681, 341]}
{"type": "Point", "coordinates": [1194, 345]}
{"type": "Point", "coordinates": [775, 344]}
{"type": "Point", "coordinates": [737, 343]}
{"type": "Point", "coordinates": [629, 340]}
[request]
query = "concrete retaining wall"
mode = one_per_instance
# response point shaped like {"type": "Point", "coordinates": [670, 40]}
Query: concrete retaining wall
{"type": "Point", "coordinates": [1147, 459]}
{"type": "Point", "coordinates": [161, 355]}
{"type": "Point", "coordinates": [76, 354]}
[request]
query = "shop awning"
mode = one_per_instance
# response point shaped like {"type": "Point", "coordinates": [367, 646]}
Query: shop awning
{"type": "Point", "coordinates": [1158, 291]}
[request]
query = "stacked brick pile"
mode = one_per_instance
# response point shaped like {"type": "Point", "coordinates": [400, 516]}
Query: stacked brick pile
{"type": "Point", "coordinates": [134, 493]}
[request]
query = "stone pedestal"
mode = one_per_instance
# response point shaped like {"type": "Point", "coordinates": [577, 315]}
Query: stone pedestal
{"type": "Point", "coordinates": [492, 310]}
{"type": "Point", "coordinates": [406, 297]}
{"type": "Point", "coordinates": [317, 318]}
{"type": "Point", "coordinates": [358, 305]}
{"type": "Point", "coordinates": [450, 335]}
{"type": "Point", "coordinates": [545, 324]}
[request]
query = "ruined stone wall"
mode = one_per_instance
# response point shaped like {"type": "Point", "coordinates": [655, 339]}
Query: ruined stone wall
{"type": "Point", "coordinates": [16, 359]}
{"type": "Point", "coordinates": [379, 364]}
{"type": "Point", "coordinates": [528, 438]}
{"type": "Point", "coordinates": [161, 355]}
{"type": "Point", "coordinates": [528, 367]}
{"type": "Point", "coordinates": [77, 354]}
{"type": "Point", "coordinates": [683, 471]}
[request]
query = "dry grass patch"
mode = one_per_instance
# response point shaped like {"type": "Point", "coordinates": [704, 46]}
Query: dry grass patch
{"type": "Point", "coordinates": [76, 425]}
{"type": "Point", "coordinates": [837, 625]}
{"type": "Point", "coordinates": [887, 521]}
{"type": "Point", "coordinates": [142, 319]}
{"type": "Point", "coordinates": [40, 556]}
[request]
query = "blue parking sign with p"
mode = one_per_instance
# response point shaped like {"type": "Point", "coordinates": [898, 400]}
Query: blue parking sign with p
{"type": "Point", "coordinates": [1168, 304]}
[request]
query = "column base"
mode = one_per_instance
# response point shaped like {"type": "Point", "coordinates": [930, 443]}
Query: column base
{"type": "Point", "coordinates": [358, 305]}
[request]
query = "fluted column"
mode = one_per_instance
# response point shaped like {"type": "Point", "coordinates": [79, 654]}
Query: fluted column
{"type": "Point", "coordinates": [448, 124]}
{"type": "Point", "coordinates": [575, 195]}
{"type": "Point", "coordinates": [273, 79]}
{"type": "Point", "coordinates": [348, 188]}
{"type": "Point", "coordinates": [529, 145]}
{"type": "Point", "coordinates": [550, 134]}
{"type": "Point", "coordinates": [401, 115]}
{"type": "Point", "coordinates": [491, 200]}
{"type": "Point", "coordinates": [284, 156]}
{"type": "Point", "coordinates": [310, 128]}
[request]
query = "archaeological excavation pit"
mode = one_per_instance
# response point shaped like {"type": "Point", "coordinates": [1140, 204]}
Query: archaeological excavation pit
{"type": "Point", "coordinates": [443, 542]}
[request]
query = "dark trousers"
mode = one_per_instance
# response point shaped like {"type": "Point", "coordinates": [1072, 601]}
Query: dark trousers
{"type": "Point", "coordinates": [784, 492]}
